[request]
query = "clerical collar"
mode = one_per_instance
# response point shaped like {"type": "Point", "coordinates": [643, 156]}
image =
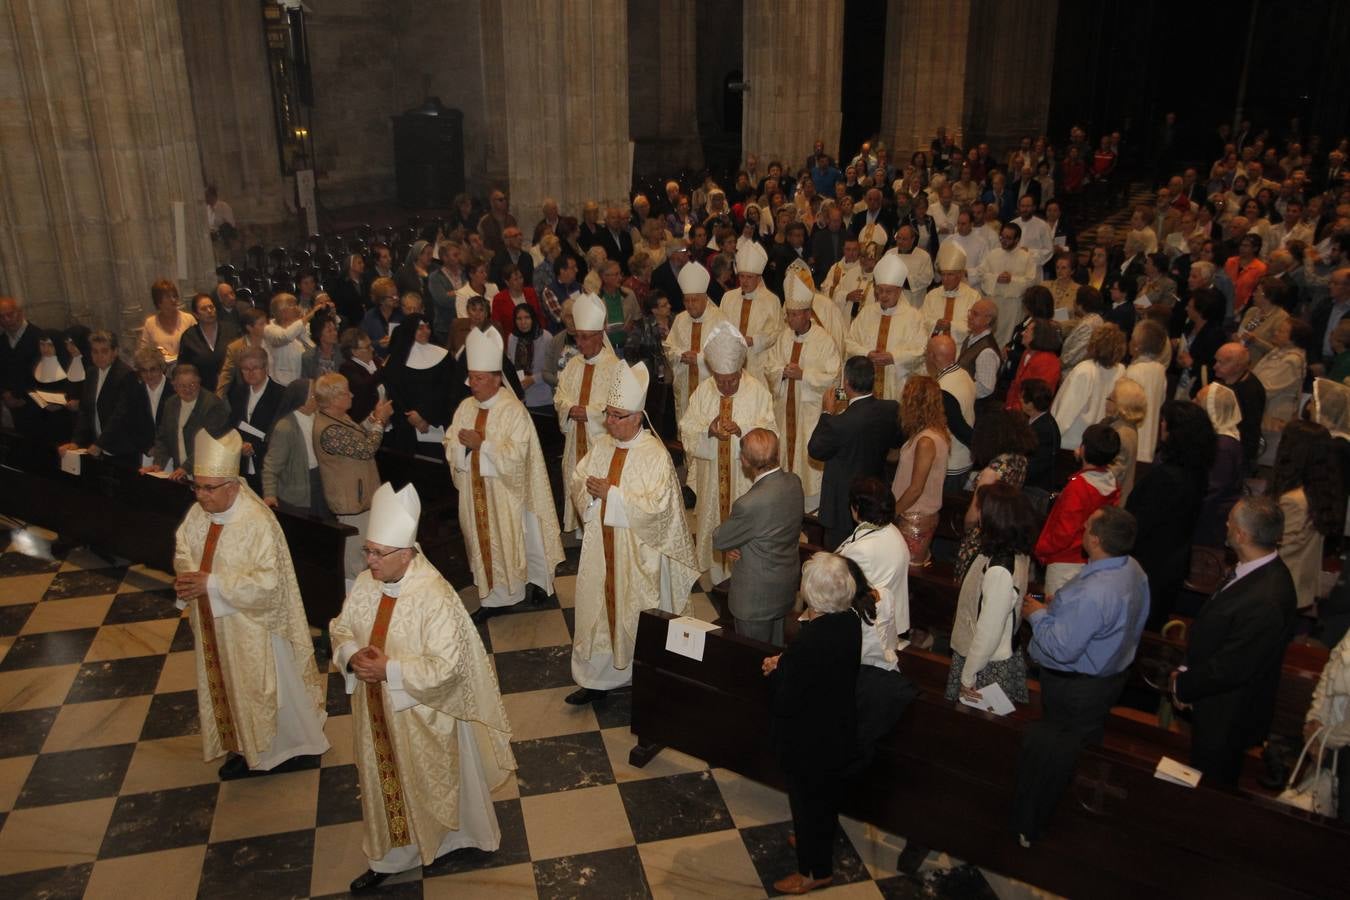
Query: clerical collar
{"type": "Point", "coordinates": [888, 312]}
{"type": "Point", "coordinates": [947, 293]}
{"type": "Point", "coordinates": [491, 401]}
{"type": "Point", "coordinates": [629, 443]}
{"type": "Point", "coordinates": [592, 360]}
{"type": "Point", "coordinates": [368, 366]}
{"type": "Point", "coordinates": [229, 515]}
{"type": "Point", "coordinates": [393, 588]}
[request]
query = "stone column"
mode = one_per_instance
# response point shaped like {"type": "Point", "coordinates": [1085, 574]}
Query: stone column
{"type": "Point", "coordinates": [1011, 60]}
{"type": "Point", "coordinates": [925, 73]}
{"type": "Point", "coordinates": [792, 53]}
{"type": "Point", "coordinates": [232, 102]}
{"type": "Point", "coordinates": [99, 143]}
{"type": "Point", "coordinates": [565, 102]}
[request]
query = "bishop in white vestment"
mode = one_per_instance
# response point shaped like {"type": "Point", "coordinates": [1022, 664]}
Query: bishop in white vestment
{"type": "Point", "coordinates": [888, 332]}
{"type": "Point", "coordinates": [756, 311]}
{"type": "Point", "coordinates": [724, 407]}
{"type": "Point", "coordinates": [260, 697]}
{"type": "Point", "coordinates": [800, 368]}
{"type": "Point", "coordinates": [582, 388]}
{"type": "Point", "coordinates": [823, 311]}
{"type": "Point", "coordinates": [432, 739]}
{"type": "Point", "coordinates": [636, 552]}
{"type": "Point", "coordinates": [947, 306]}
{"type": "Point", "coordinates": [506, 511]}
{"type": "Point", "coordinates": [689, 334]}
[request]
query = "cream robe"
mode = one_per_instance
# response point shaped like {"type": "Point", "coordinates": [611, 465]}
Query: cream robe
{"type": "Point", "coordinates": [438, 679]}
{"type": "Point", "coordinates": [855, 280]}
{"type": "Point", "coordinates": [567, 395]}
{"type": "Point", "coordinates": [653, 556]}
{"type": "Point", "coordinates": [920, 266]}
{"type": "Point", "coordinates": [826, 315]}
{"type": "Point", "coordinates": [1152, 377]}
{"type": "Point", "coordinates": [839, 281]}
{"type": "Point", "coordinates": [820, 365]}
{"type": "Point", "coordinates": [752, 407]}
{"type": "Point", "coordinates": [905, 341]}
{"type": "Point", "coordinates": [763, 323]}
{"type": "Point", "coordinates": [262, 638]}
{"type": "Point", "coordinates": [935, 305]}
{"type": "Point", "coordinates": [522, 524]}
{"type": "Point", "coordinates": [677, 343]}
{"type": "Point", "coordinates": [1022, 274]}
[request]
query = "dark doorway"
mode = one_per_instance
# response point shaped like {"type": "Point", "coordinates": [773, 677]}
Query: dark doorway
{"type": "Point", "coordinates": [721, 56]}
{"type": "Point", "coordinates": [863, 75]}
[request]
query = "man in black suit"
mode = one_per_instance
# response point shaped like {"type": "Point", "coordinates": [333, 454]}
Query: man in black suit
{"type": "Point", "coordinates": [253, 400]}
{"type": "Point", "coordinates": [229, 308]}
{"type": "Point", "coordinates": [515, 254]}
{"type": "Point", "coordinates": [873, 213]}
{"type": "Point", "coordinates": [1036, 399]}
{"type": "Point", "coordinates": [101, 390]}
{"type": "Point", "coordinates": [784, 255]}
{"type": "Point", "coordinates": [827, 246]}
{"type": "Point", "coordinates": [666, 277]}
{"type": "Point", "coordinates": [351, 295]}
{"type": "Point", "coordinates": [129, 434]}
{"type": "Point", "coordinates": [18, 356]}
{"type": "Point", "coordinates": [189, 410]}
{"type": "Point", "coordinates": [852, 441]}
{"type": "Point", "coordinates": [1237, 643]}
{"type": "Point", "coordinates": [616, 239]}
{"type": "Point", "coordinates": [1325, 316]}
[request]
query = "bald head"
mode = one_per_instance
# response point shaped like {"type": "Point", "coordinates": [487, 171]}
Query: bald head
{"type": "Point", "coordinates": [1231, 362]}
{"type": "Point", "coordinates": [982, 316]}
{"type": "Point", "coordinates": [11, 314]}
{"type": "Point", "coordinates": [941, 352]}
{"type": "Point", "coordinates": [759, 451]}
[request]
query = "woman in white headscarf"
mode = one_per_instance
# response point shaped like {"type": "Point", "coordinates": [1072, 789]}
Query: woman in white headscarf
{"type": "Point", "coordinates": [1226, 475]}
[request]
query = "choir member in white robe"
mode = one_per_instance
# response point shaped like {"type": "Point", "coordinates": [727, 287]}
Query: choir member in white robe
{"type": "Point", "coordinates": [431, 737]}
{"type": "Point", "coordinates": [724, 407]}
{"type": "Point", "coordinates": [1037, 239]}
{"type": "Point", "coordinates": [260, 697]}
{"type": "Point", "coordinates": [1146, 344]}
{"type": "Point", "coordinates": [802, 365]}
{"type": "Point", "coordinates": [918, 265]}
{"type": "Point", "coordinates": [689, 335]}
{"type": "Point", "coordinates": [583, 385]}
{"type": "Point", "coordinates": [1004, 275]}
{"type": "Point", "coordinates": [636, 552]}
{"type": "Point", "coordinates": [947, 306]}
{"type": "Point", "coordinates": [756, 311]}
{"type": "Point", "coordinates": [506, 511]}
{"type": "Point", "coordinates": [823, 312]}
{"type": "Point", "coordinates": [971, 242]}
{"type": "Point", "coordinates": [888, 332]}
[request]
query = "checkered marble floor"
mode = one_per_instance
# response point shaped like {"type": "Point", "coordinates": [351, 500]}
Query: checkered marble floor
{"type": "Point", "coordinates": [103, 792]}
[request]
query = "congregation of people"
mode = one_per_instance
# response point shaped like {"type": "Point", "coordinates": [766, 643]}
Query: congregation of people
{"type": "Point", "coordinates": [675, 383]}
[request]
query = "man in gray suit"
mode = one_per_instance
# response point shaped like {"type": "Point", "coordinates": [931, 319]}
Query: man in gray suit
{"type": "Point", "coordinates": [187, 412]}
{"type": "Point", "coordinates": [761, 535]}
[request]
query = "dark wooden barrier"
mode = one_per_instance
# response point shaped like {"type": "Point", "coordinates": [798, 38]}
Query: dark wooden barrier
{"type": "Point", "coordinates": [115, 511]}
{"type": "Point", "coordinates": [945, 778]}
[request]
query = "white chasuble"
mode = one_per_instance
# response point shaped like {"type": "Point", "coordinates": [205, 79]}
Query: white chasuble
{"type": "Point", "coordinates": [903, 338]}
{"type": "Point", "coordinates": [797, 401]}
{"type": "Point", "coordinates": [685, 335]}
{"type": "Point", "coordinates": [582, 383]}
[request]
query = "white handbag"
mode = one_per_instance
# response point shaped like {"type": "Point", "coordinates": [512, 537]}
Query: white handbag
{"type": "Point", "coordinates": [1317, 791]}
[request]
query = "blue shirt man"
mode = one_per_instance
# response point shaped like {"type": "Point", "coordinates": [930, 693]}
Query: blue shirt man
{"type": "Point", "coordinates": [1084, 641]}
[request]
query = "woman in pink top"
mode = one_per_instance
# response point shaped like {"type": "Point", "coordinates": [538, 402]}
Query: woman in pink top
{"type": "Point", "coordinates": [923, 465]}
{"type": "Point", "coordinates": [165, 328]}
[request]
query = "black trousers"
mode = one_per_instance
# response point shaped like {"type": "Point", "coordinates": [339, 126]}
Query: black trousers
{"type": "Point", "coordinates": [814, 801]}
{"type": "Point", "coordinates": [1074, 711]}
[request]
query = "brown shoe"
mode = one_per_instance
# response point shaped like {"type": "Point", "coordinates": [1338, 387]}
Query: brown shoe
{"type": "Point", "coordinates": [797, 883]}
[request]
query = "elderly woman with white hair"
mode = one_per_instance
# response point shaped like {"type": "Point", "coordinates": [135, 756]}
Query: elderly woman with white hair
{"type": "Point", "coordinates": [815, 716]}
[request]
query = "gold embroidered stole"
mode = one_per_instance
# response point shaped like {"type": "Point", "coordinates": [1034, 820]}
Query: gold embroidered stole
{"type": "Point", "coordinates": [835, 275]}
{"type": "Point", "coordinates": [480, 506]}
{"type": "Point", "coordinates": [745, 313]}
{"type": "Point", "coordinates": [879, 372]}
{"type": "Point", "coordinates": [724, 463]}
{"type": "Point", "coordinates": [391, 790]}
{"type": "Point", "coordinates": [695, 333]}
{"type": "Point", "coordinates": [792, 407]}
{"type": "Point", "coordinates": [583, 400]}
{"type": "Point", "coordinates": [215, 675]}
{"type": "Point", "coordinates": [607, 534]}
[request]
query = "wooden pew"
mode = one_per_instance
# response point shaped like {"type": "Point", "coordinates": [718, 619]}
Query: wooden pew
{"type": "Point", "coordinates": [116, 511]}
{"type": "Point", "coordinates": [945, 778]}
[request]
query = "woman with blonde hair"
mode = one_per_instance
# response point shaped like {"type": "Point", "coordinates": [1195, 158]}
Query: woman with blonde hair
{"type": "Point", "coordinates": [1126, 407]}
{"type": "Point", "coordinates": [595, 258]}
{"type": "Point", "coordinates": [1082, 397]}
{"type": "Point", "coordinates": [923, 465]}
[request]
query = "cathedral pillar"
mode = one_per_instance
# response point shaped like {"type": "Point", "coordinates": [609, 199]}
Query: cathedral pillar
{"type": "Point", "coordinates": [662, 86]}
{"type": "Point", "coordinates": [564, 102]}
{"type": "Point", "coordinates": [924, 85]}
{"type": "Point", "coordinates": [793, 77]}
{"type": "Point", "coordinates": [232, 102]}
{"type": "Point", "coordinates": [99, 148]}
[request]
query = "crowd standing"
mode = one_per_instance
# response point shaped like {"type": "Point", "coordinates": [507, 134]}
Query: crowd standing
{"type": "Point", "coordinates": [851, 339]}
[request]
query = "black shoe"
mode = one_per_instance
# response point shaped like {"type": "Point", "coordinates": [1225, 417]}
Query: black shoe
{"type": "Point", "coordinates": [482, 614]}
{"type": "Point", "coordinates": [368, 881]}
{"type": "Point", "coordinates": [582, 696]}
{"type": "Point", "coordinates": [690, 498]}
{"type": "Point", "coordinates": [235, 767]}
{"type": "Point", "coordinates": [1275, 773]}
{"type": "Point", "coordinates": [535, 596]}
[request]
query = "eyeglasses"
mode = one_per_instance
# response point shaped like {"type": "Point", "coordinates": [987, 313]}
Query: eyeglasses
{"type": "Point", "coordinates": [368, 553]}
{"type": "Point", "coordinates": [210, 489]}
